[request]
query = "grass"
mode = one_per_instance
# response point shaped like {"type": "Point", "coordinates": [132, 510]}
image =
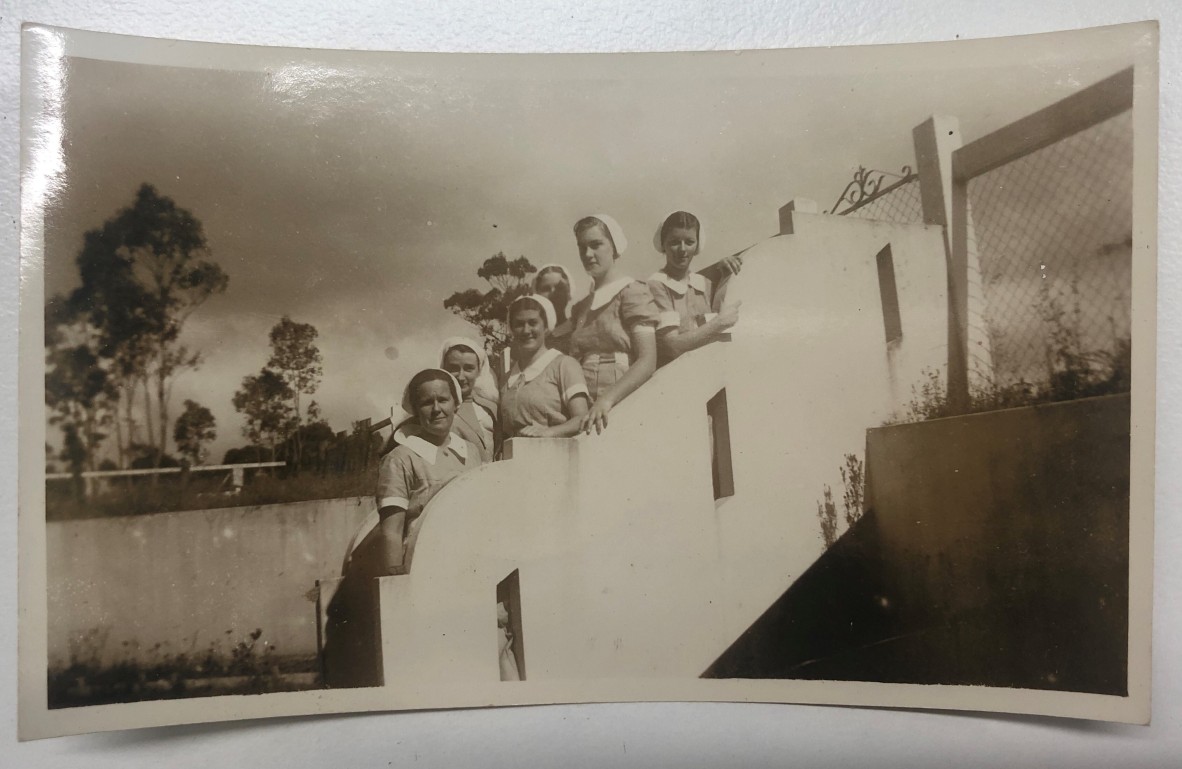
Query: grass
{"type": "Point", "coordinates": [248, 667]}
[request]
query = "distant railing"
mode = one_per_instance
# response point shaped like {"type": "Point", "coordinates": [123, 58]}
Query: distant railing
{"type": "Point", "coordinates": [93, 480]}
{"type": "Point", "coordinates": [867, 188]}
{"type": "Point", "coordinates": [88, 474]}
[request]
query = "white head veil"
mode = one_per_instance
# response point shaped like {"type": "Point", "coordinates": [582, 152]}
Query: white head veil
{"type": "Point", "coordinates": [408, 397]}
{"type": "Point", "coordinates": [659, 246]}
{"type": "Point", "coordinates": [408, 424]}
{"type": "Point", "coordinates": [484, 385]}
{"type": "Point", "coordinates": [570, 282]}
{"type": "Point", "coordinates": [615, 231]}
{"type": "Point", "coordinates": [540, 301]}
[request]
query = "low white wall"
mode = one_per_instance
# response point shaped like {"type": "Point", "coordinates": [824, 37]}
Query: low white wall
{"type": "Point", "coordinates": [120, 586]}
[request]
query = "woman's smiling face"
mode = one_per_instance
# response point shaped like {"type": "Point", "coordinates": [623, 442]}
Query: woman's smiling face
{"type": "Point", "coordinates": [528, 328]}
{"type": "Point", "coordinates": [435, 406]}
{"type": "Point", "coordinates": [596, 251]}
{"type": "Point", "coordinates": [680, 245]}
{"type": "Point", "coordinates": [464, 365]}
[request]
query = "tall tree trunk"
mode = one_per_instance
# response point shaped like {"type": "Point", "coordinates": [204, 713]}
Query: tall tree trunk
{"type": "Point", "coordinates": [162, 399]}
{"type": "Point", "coordinates": [124, 423]}
{"type": "Point", "coordinates": [119, 423]}
{"type": "Point", "coordinates": [129, 411]}
{"type": "Point", "coordinates": [150, 433]}
{"type": "Point", "coordinates": [298, 444]}
{"type": "Point", "coordinates": [89, 431]}
{"type": "Point", "coordinates": [81, 420]}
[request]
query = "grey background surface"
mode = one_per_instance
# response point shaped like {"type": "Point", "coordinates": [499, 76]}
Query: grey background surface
{"type": "Point", "coordinates": [616, 735]}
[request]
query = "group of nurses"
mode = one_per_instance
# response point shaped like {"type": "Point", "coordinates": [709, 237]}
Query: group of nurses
{"type": "Point", "coordinates": [623, 329]}
{"type": "Point", "coordinates": [567, 366]}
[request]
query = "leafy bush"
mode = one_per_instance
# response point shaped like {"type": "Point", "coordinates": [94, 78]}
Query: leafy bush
{"type": "Point", "coordinates": [1072, 369]}
{"type": "Point", "coordinates": [853, 481]}
{"type": "Point", "coordinates": [827, 514]}
{"type": "Point", "coordinates": [1077, 375]}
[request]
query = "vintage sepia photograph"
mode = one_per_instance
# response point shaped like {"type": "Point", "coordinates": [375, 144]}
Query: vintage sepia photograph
{"type": "Point", "coordinates": [380, 381]}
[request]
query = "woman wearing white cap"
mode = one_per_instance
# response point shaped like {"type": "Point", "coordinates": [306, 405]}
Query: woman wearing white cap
{"type": "Point", "coordinates": [614, 335]}
{"type": "Point", "coordinates": [544, 395]}
{"type": "Point", "coordinates": [476, 416]}
{"type": "Point", "coordinates": [428, 455]}
{"type": "Point", "coordinates": [554, 282]}
{"type": "Point", "coordinates": [686, 299]}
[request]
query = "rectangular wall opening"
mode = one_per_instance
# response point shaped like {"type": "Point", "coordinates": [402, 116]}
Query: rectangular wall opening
{"type": "Point", "coordinates": [888, 291]}
{"type": "Point", "coordinates": [720, 446]}
{"type": "Point", "coordinates": [512, 664]}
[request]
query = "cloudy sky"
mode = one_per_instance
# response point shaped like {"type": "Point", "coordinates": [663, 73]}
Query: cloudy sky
{"type": "Point", "coordinates": [357, 196]}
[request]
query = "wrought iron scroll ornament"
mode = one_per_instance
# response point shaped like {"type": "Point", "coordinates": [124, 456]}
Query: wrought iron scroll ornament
{"type": "Point", "coordinates": [868, 185]}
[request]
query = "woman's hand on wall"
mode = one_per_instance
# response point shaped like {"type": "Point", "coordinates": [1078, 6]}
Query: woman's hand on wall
{"type": "Point", "coordinates": [596, 418]}
{"type": "Point", "coordinates": [733, 264]}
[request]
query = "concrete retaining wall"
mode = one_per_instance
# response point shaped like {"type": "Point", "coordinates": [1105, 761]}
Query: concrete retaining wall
{"type": "Point", "coordinates": [141, 587]}
{"type": "Point", "coordinates": [995, 552]}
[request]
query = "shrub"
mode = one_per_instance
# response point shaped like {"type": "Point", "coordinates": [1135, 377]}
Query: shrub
{"type": "Point", "coordinates": [156, 674]}
{"type": "Point", "coordinates": [853, 481]}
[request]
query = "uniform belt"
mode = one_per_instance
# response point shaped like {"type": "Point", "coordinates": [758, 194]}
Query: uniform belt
{"type": "Point", "coordinates": [599, 358]}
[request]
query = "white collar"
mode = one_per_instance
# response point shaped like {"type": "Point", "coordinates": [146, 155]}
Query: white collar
{"type": "Point", "coordinates": [693, 280]}
{"type": "Point", "coordinates": [605, 294]}
{"type": "Point", "coordinates": [429, 452]}
{"type": "Point", "coordinates": [516, 375]}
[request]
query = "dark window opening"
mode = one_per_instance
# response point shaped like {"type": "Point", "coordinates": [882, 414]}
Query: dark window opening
{"type": "Point", "coordinates": [888, 291]}
{"type": "Point", "coordinates": [512, 660]}
{"type": "Point", "coordinates": [720, 446]}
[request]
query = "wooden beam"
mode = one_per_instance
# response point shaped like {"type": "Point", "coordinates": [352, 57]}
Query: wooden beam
{"type": "Point", "coordinates": [958, 299]}
{"type": "Point", "coordinates": [1066, 117]}
{"type": "Point", "coordinates": [937, 140]}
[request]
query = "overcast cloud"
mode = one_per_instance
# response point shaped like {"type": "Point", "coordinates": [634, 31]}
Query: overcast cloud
{"type": "Point", "coordinates": [357, 198]}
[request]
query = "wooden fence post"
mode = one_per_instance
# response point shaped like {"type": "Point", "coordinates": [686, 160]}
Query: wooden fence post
{"type": "Point", "coordinates": [944, 205]}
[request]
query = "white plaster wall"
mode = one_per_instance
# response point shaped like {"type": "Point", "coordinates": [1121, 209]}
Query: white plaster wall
{"type": "Point", "coordinates": [628, 566]}
{"type": "Point", "coordinates": [182, 580]}
{"type": "Point", "coordinates": [638, 734]}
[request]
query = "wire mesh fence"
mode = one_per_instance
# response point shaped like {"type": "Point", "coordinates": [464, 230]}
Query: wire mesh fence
{"type": "Point", "coordinates": [901, 204]}
{"type": "Point", "coordinates": [1053, 236]}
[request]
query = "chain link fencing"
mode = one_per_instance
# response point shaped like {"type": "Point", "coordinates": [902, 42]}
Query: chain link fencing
{"type": "Point", "coordinates": [1053, 234]}
{"type": "Point", "coordinates": [901, 205]}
